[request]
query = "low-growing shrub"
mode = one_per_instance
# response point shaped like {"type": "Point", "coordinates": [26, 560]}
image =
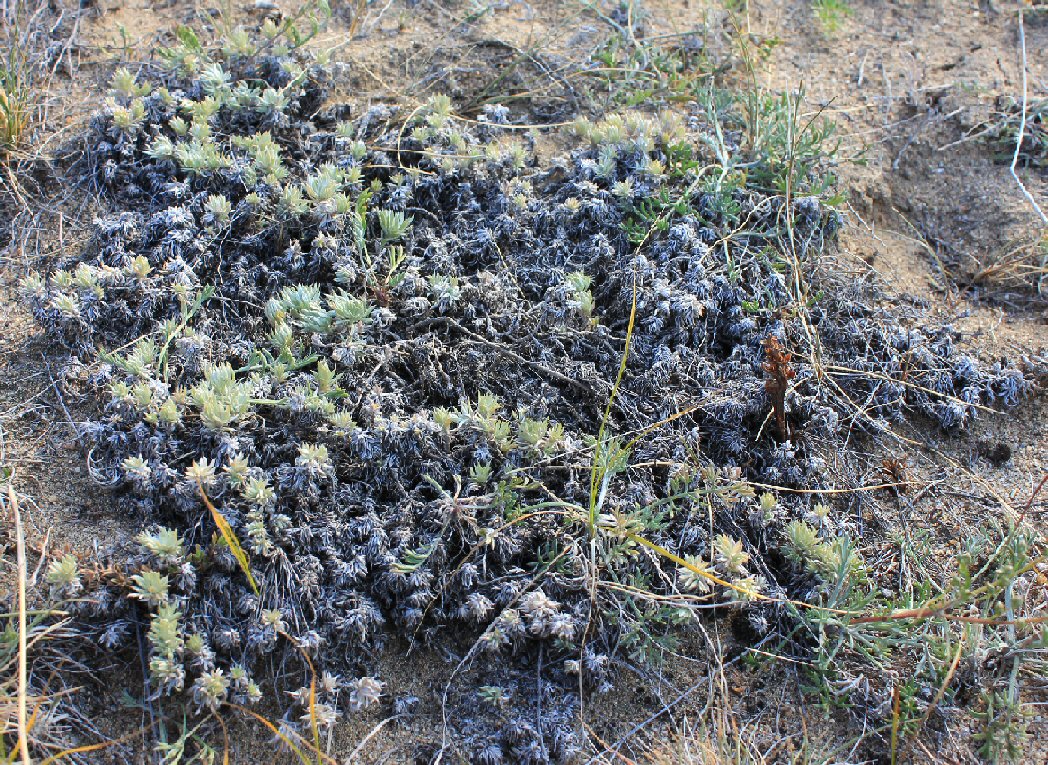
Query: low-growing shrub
{"type": "Point", "coordinates": [392, 376]}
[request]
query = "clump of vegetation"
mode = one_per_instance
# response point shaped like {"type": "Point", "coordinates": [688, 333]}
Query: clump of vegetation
{"type": "Point", "coordinates": [1003, 131]}
{"type": "Point", "coordinates": [831, 13]}
{"type": "Point", "coordinates": [355, 377]}
{"type": "Point", "coordinates": [14, 94]}
{"type": "Point", "coordinates": [1016, 272]}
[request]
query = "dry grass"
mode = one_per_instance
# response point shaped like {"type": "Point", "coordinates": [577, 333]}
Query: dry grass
{"type": "Point", "coordinates": [21, 656]}
{"type": "Point", "coordinates": [719, 742]}
{"type": "Point", "coordinates": [38, 722]}
{"type": "Point", "coordinates": [14, 84]}
{"type": "Point", "coordinates": [14, 110]}
{"type": "Point", "coordinates": [1023, 265]}
{"type": "Point", "coordinates": [722, 737]}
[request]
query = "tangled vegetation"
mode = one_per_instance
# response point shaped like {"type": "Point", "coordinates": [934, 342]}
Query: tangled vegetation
{"type": "Point", "coordinates": [390, 375]}
{"type": "Point", "coordinates": [1003, 132]}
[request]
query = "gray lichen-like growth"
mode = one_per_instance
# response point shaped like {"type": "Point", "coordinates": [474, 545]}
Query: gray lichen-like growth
{"type": "Point", "coordinates": [382, 351]}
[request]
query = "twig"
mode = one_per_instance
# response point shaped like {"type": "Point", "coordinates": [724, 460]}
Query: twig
{"type": "Point", "coordinates": [1022, 124]}
{"type": "Point", "coordinates": [1033, 496]}
{"type": "Point", "coordinates": [946, 682]}
{"type": "Point", "coordinates": [834, 369]}
{"type": "Point", "coordinates": [363, 742]}
{"type": "Point", "coordinates": [479, 340]}
{"type": "Point", "coordinates": [896, 699]}
{"type": "Point", "coordinates": [23, 689]}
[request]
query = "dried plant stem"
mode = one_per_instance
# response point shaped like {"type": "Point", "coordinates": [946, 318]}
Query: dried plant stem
{"type": "Point", "coordinates": [360, 10]}
{"type": "Point", "coordinates": [364, 741]}
{"type": "Point", "coordinates": [946, 681]}
{"type": "Point", "coordinates": [1022, 124]}
{"type": "Point", "coordinates": [896, 699]}
{"type": "Point", "coordinates": [777, 366]}
{"type": "Point", "coordinates": [23, 684]}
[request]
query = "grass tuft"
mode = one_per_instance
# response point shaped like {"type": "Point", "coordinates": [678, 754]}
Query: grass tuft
{"type": "Point", "coordinates": [831, 14]}
{"type": "Point", "coordinates": [15, 93]}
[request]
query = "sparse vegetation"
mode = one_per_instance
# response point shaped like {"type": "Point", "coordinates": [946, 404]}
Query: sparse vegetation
{"type": "Point", "coordinates": [1003, 132]}
{"type": "Point", "coordinates": [14, 92]}
{"type": "Point", "coordinates": [831, 13]}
